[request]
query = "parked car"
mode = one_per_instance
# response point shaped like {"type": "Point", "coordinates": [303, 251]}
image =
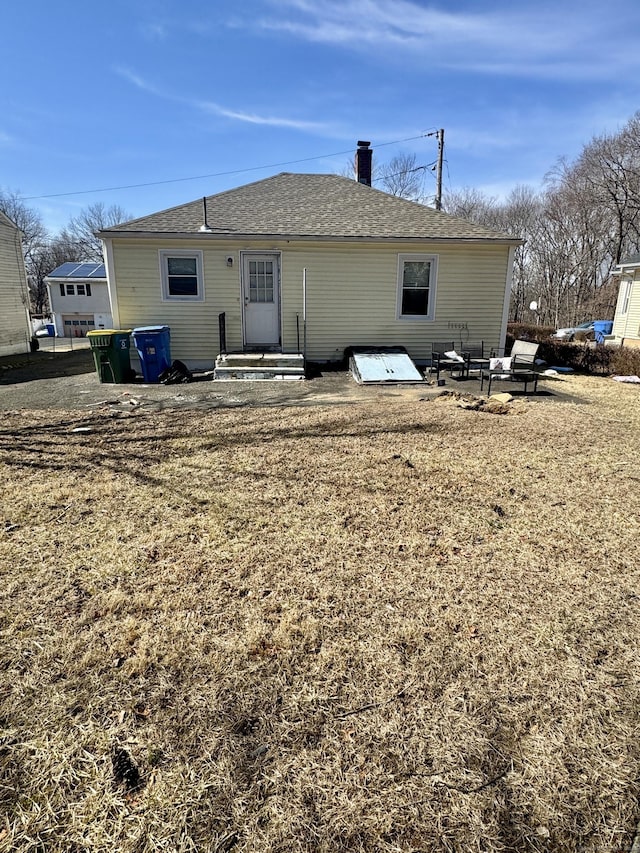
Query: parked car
{"type": "Point", "coordinates": [569, 333]}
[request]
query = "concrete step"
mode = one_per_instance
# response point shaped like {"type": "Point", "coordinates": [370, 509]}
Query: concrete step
{"type": "Point", "coordinates": [260, 359]}
{"type": "Point", "coordinates": [259, 366]}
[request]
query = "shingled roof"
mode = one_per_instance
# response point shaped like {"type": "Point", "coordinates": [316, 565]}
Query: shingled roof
{"type": "Point", "coordinates": [311, 206]}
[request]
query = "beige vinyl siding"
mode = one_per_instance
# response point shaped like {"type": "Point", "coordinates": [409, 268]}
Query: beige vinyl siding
{"type": "Point", "coordinates": [627, 326]}
{"type": "Point", "coordinates": [15, 331]}
{"type": "Point", "coordinates": [352, 291]}
{"type": "Point", "coordinates": [194, 325]}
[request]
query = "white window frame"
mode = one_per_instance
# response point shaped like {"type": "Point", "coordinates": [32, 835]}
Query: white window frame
{"type": "Point", "coordinates": [626, 296]}
{"type": "Point", "coordinates": [163, 255]}
{"type": "Point", "coordinates": [429, 317]}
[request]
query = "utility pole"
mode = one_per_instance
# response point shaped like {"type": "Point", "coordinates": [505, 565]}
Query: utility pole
{"type": "Point", "coordinates": [439, 169]}
{"type": "Point", "coordinates": [440, 136]}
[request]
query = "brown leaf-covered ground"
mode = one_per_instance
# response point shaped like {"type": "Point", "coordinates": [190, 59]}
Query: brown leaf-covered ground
{"type": "Point", "coordinates": [397, 625]}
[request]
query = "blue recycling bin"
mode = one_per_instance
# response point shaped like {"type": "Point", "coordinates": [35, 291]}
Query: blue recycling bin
{"type": "Point", "coordinates": [602, 328]}
{"type": "Point", "coordinates": [154, 348]}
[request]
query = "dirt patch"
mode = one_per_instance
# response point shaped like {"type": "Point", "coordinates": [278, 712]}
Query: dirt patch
{"type": "Point", "coordinates": [67, 381]}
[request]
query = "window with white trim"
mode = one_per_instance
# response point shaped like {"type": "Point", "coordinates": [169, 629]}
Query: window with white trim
{"type": "Point", "coordinates": [181, 275]}
{"type": "Point", "coordinates": [417, 286]}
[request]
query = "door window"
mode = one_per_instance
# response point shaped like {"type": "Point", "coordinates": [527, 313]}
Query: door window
{"type": "Point", "coordinates": [260, 281]}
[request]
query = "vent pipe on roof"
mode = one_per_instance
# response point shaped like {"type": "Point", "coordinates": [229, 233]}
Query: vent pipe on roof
{"type": "Point", "coordinates": [364, 156]}
{"type": "Point", "coordinates": [204, 228]}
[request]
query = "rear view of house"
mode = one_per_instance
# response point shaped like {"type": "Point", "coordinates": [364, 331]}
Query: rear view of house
{"type": "Point", "coordinates": [15, 328]}
{"type": "Point", "coordinates": [308, 262]}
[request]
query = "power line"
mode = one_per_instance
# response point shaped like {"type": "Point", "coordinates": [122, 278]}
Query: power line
{"type": "Point", "coordinates": [215, 174]}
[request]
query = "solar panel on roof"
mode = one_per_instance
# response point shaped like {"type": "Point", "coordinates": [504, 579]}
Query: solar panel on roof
{"type": "Point", "coordinates": [73, 269]}
{"type": "Point", "coordinates": [83, 270]}
{"type": "Point", "coordinates": [63, 270]}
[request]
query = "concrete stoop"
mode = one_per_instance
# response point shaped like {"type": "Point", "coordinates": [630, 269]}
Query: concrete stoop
{"type": "Point", "coordinates": [247, 366]}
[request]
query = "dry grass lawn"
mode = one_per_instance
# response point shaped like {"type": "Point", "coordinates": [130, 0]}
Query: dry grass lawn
{"type": "Point", "coordinates": [386, 626]}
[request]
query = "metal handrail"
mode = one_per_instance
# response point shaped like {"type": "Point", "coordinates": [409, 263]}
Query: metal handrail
{"type": "Point", "coordinates": [222, 333]}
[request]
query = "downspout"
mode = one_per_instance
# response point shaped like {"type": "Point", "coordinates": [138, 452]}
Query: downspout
{"type": "Point", "coordinates": [51, 313]}
{"type": "Point", "coordinates": [304, 315]}
{"type": "Point", "coordinates": [507, 298]}
{"type": "Point", "coordinates": [629, 284]}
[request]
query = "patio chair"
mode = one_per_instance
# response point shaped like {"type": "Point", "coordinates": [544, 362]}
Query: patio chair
{"type": "Point", "coordinates": [475, 356]}
{"type": "Point", "coordinates": [441, 359]}
{"type": "Point", "coordinates": [519, 366]}
{"type": "Point", "coordinates": [526, 348]}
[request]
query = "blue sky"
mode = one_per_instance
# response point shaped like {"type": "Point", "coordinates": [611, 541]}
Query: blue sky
{"type": "Point", "coordinates": [108, 95]}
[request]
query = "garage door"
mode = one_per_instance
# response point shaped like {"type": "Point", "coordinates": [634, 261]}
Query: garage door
{"type": "Point", "coordinates": [77, 325]}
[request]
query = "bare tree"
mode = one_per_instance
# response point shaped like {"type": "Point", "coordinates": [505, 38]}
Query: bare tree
{"type": "Point", "coordinates": [45, 260]}
{"type": "Point", "coordinates": [519, 215]}
{"type": "Point", "coordinates": [400, 176]}
{"type": "Point", "coordinates": [593, 219]}
{"type": "Point", "coordinates": [403, 177]}
{"type": "Point", "coordinates": [28, 220]}
{"type": "Point", "coordinates": [80, 231]}
{"type": "Point", "coordinates": [35, 239]}
{"type": "Point", "coordinates": [470, 203]}
{"type": "Point", "coordinates": [43, 253]}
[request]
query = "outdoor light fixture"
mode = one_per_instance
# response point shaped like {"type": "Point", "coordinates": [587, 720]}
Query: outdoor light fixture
{"type": "Point", "coordinates": [229, 261]}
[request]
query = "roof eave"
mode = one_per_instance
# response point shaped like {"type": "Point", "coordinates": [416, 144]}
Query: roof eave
{"type": "Point", "coordinates": [56, 279]}
{"type": "Point", "coordinates": [321, 238]}
{"type": "Point", "coordinates": [621, 269]}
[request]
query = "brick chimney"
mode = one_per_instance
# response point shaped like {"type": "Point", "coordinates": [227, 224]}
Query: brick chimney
{"type": "Point", "coordinates": [364, 156]}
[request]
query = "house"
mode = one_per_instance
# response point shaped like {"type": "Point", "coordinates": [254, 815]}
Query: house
{"type": "Point", "coordinates": [79, 299]}
{"type": "Point", "coordinates": [15, 327]}
{"type": "Point", "coordinates": [626, 322]}
{"type": "Point", "coordinates": [308, 263]}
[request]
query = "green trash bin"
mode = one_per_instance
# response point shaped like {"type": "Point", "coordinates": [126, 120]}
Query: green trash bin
{"type": "Point", "coordinates": [110, 348]}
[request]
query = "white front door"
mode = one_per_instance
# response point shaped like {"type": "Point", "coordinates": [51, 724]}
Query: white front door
{"type": "Point", "coordinates": [261, 297]}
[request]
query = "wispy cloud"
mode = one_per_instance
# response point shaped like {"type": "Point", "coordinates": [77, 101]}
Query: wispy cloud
{"type": "Point", "coordinates": [212, 108]}
{"type": "Point", "coordinates": [564, 40]}
{"type": "Point", "coordinates": [252, 118]}
{"type": "Point", "coordinates": [162, 29]}
{"type": "Point", "coordinates": [5, 139]}
{"type": "Point", "coordinates": [138, 81]}
{"type": "Point", "coordinates": [154, 30]}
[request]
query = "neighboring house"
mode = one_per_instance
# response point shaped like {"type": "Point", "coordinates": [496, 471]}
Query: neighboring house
{"type": "Point", "coordinates": [626, 323]}
{"type": "Point", "coordinates": [15, 328]}
{"type": "Point", "coordinates": [379, 271]}
{"type": "Point", "coordinates": [79, 299]}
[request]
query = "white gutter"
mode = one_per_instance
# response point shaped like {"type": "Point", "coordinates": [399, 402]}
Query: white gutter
{"type": "Point", "coordinates": [315, 238]}
{"type": "Point", "coordinates": [620, 269]}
